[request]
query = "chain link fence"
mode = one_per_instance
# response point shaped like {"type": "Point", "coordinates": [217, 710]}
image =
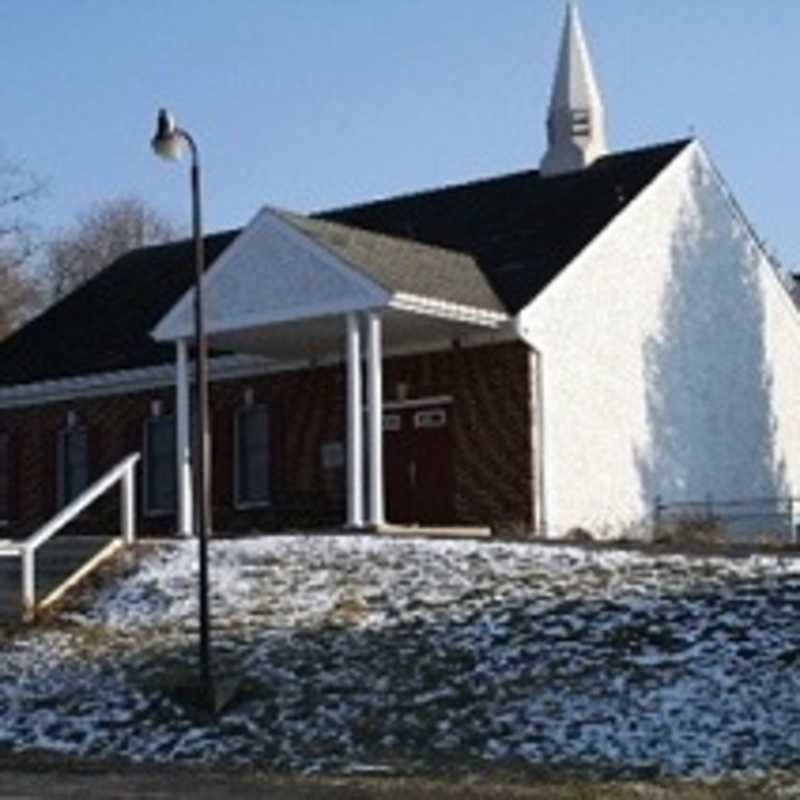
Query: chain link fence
{"type": "Point", "coordinates": [768, 520]}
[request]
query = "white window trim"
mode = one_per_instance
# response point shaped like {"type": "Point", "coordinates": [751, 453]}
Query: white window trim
{"type": "Point", "coordinates": [431, 419]}
{"type": "Point", "coordinates": [4, 521]}
{"type": "Point", "coordinates": [153, 513]}
{"type": "Point", "coordinates": [238, 503]}
{"type": "Point", "coordinates": [61, 462]}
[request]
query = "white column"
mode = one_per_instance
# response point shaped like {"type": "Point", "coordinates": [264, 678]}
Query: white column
{"type": "Point", "coordinates": [28, 583]}
{"type": "Point", "coordinates": [377, 507]}
{"type": "Point", "coordinates": [182, 440]}
{"type": "Point", "coordinates": [355, 434]}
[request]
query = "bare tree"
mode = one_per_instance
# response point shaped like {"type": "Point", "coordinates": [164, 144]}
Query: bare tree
{"type": "Point", "coordinates": [18, 189]}
{"type": "Point", "coordinates": [20, 297]}
{"type": "Point", "coordinates": [108, 230]}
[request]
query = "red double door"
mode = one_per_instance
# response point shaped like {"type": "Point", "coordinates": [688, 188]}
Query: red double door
{"type": "Point", "coordinates": [418, 465]}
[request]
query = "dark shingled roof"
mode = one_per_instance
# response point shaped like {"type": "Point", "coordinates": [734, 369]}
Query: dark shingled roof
{"type": "Point", "coordinates": [521, 229]}
{"type": "Point", "coordinates": [402, 265]}
{"type": "Point", "coordinates": [105, 325]}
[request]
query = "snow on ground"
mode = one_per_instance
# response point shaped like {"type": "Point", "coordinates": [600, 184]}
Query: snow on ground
{"type": "Point", "coordinates": [358, 651]}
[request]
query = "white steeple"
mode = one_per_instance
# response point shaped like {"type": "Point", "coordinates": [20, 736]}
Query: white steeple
{"type": "Point", "coordinates": [576, 124]}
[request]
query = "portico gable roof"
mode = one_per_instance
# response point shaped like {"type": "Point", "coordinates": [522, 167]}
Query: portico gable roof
{"type": "Point", "coordinates": [284, 267]}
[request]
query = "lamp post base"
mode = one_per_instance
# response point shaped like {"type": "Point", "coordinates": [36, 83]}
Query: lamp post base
{"type": "Point", "coordinates": [203, 699]}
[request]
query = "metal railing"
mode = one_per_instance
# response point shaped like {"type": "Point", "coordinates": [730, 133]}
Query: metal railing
{"type": "Point", "coordinates": [742, 520]}
{"type": "Point", "coordinates": [124, 473]}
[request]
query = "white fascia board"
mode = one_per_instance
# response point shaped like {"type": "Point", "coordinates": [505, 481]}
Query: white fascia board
{"type": "Point", "coordinates": [443, 309]}
{"type": "Point", "coordinates": [174, 324]}
{"type": "Point", "coordinates": [100, 384]}
{"type": "Point", "coordinates": [585, 255]}
{"type": "Point", "coordinates": [295, 314]}
{"type": "Point", "coordinates": [107, 384]}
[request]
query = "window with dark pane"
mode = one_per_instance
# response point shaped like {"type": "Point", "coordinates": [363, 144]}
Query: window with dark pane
{"type": "Point", "coordinates": [160, 465]}
{"type": "Point", "coordinates": [581, 122]}
{"type": "Point", "coordinates": [73, 457]}
{"type": "Point", "coordinates": [5, 477]}
{"type": "Point", "coordinates": [252, 455]}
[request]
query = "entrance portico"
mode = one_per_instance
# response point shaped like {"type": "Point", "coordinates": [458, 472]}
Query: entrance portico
{"type": "Point", "coordinates": [295, 290]}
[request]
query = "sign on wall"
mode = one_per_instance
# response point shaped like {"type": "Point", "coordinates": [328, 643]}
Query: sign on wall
{"type": "Point", "coordinates": [332, 455]}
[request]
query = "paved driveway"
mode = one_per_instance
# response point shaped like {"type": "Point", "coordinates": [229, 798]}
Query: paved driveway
{"type": "Point", "coordinates": [174, 785]}
{"type": "Point", "coordinates": [49, 778]}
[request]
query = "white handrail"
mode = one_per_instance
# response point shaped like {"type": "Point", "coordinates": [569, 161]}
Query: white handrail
{"type": "Point", "coordinates": [124, 472]}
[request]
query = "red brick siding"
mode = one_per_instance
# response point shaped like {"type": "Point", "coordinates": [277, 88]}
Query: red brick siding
{"type": "Point", "coordinates": [114, 426]}
{"type": "Point", "coordinates": [306, 409]}
{"type": "Point", "coordinates": [491, 439]}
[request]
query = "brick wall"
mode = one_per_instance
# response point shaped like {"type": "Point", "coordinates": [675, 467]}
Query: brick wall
{"type": "Point", "coordinates": [491, 429]}
{"type": "Point", "coordinates": [491, 425]}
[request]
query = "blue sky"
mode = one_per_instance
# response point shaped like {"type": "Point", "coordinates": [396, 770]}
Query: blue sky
{"type": "Point", "coordinates": [309, 104]}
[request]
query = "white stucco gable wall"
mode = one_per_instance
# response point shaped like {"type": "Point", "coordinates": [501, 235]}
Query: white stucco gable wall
{"type": "Point", "coordinates": [782, 377]}
{"type": "Point", "coordinates": [671, 361]}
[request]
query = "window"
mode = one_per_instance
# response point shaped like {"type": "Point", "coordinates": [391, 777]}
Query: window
{"type": "Point", "coordinates": [160, 481]}
{"type": "Point", "coordinates": [5, 478]}
{"type": "Point", "coordinates": [73, 463]}
{"type": "Point", "coordinates": [252, 456]}
{"type": "Point", "coordinates": [430, 419]}
{"type": "Point", "coordinates": [581, 122]}
{"type": "Point", "coordinates": [392, 422]}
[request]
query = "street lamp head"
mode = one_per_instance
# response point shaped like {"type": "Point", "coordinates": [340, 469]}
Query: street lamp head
{"type": "Point", "coordinates": [169, 140]}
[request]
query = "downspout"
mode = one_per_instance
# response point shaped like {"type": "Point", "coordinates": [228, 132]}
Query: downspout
{"type": "Point", "coordinates": [538, 438]}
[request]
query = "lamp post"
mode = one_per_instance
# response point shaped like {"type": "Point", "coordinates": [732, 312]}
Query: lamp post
{"type": "Point", "coordinates": [169, 142]}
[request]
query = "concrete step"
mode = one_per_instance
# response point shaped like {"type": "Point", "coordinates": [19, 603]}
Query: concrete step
{"type": "Point", "coordinates": [57, 561]}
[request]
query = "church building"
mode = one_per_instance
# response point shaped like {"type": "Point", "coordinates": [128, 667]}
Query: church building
{"type": "Point", "coordinates": [559, 347]}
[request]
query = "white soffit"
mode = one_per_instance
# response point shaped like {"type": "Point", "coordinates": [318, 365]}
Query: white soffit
{"type": "Point", "coordinates": [273, 273]}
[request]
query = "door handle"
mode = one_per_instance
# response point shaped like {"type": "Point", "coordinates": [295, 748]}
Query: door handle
{"type": "Point", "coordinates": [412, 473]}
